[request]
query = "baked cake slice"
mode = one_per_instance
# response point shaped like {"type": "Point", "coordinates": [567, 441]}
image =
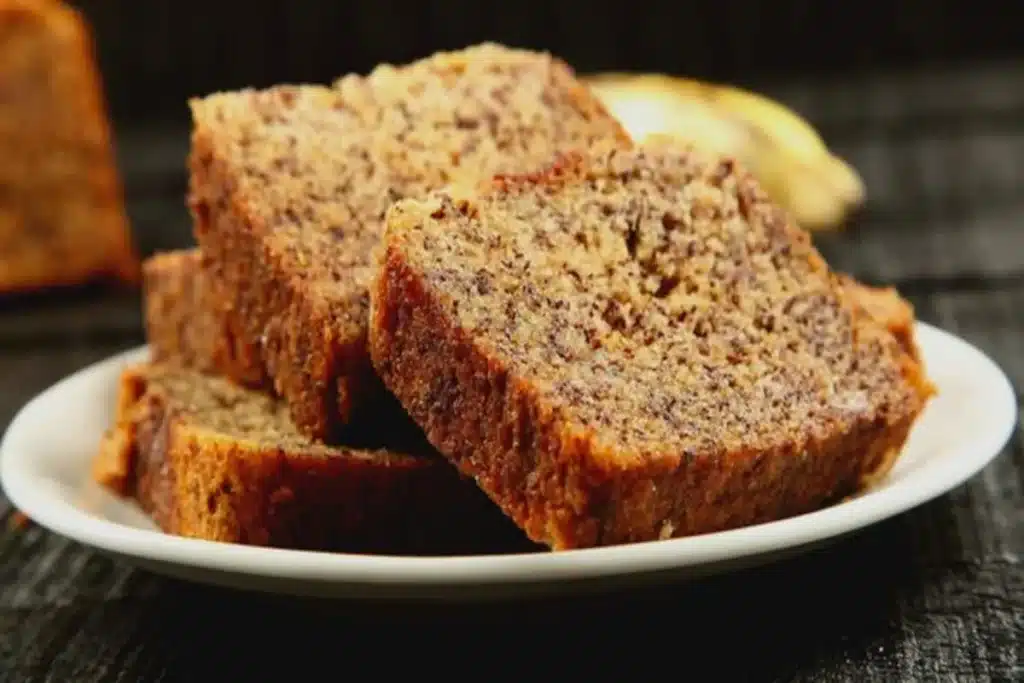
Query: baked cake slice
{"type": "Point", "coordinates": [62, 219]}
{"type": "Point", "coordinates": [889, 308]}
{"type": "Point", "coordinates": [635, 345]}
{"type": "Point", "coordinates": [191, 324]}
{"type": "Point", "coordinates": [289, 187]}
{"type": "Point", "coordinates": [208, 459]}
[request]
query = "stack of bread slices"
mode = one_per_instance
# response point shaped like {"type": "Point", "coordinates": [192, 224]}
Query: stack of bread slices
{"type": "Point", "coordinates": [450, 306]}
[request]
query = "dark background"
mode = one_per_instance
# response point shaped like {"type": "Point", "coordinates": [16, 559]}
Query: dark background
{"type": "Point", "coordinates": [158, 52]}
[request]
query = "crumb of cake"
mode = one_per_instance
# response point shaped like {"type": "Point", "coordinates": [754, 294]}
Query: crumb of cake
{"type": "Point", "coordinates": [290, 186]}
{"type": "Point", "coordinates": [636, 340]}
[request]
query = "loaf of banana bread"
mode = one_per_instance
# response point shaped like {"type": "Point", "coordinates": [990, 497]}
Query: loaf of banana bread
{"type": "Point", "coordinates": [62, 219]}
{"type": "Point", "coordinates": [289, 187]}
{"type": "Point", "coordinates": [635, 345]}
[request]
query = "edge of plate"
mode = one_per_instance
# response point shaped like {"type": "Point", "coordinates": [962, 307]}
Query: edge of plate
{"type": "Point", "coordinates": [591, 563]}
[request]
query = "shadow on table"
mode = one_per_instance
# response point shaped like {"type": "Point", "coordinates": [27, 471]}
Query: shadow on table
{"type": "Point", "coordinates": [815, 612]}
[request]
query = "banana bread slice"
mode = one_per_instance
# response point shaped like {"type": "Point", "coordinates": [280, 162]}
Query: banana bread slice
{"type": "Point", "coordinates": [62, 219]}
{"type": "Point", "coordinates": [189, 323]}
{"type": "Point", "coordinates": [208, 459]}
{"type": "Point", "coordinates": [289, 187]}
{"type": "Point", "coordinates": [635, 345]}
{"type": "Point", "coordinates": [889, 308]}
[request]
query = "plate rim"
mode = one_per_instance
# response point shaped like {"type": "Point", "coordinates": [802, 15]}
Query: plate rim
{"type": "Point", "coordinates": [65, 519]}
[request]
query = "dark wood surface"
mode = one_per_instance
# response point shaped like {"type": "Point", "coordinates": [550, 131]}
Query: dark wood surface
{"type": "Point", "coordinates": [936, 594]}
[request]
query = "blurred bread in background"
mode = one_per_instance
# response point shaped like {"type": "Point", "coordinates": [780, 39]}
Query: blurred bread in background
{"type": "Point", "coordinates": [62, 217]}
{"type": "Point", "coordinates": [783, 150]}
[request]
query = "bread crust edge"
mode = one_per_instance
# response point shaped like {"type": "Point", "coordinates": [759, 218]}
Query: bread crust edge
{"type": "Point", "coordinates": [561, 486]}
{"type": "Point", "coordinates": [321, 375]}
{"type": "Point", "coordinates": [196, 484]}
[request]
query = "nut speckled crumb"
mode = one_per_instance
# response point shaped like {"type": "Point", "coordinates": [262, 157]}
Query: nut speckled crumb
{"type": "Point", "coordinates": [290, 185]}
{"type": "Point", "coordinates": [208, 459]}
{"type": "Point", "coordinates": [632, 342]}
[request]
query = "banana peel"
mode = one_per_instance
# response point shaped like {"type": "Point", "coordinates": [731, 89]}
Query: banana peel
{"type": "Point", "coordinates": [780, 148]}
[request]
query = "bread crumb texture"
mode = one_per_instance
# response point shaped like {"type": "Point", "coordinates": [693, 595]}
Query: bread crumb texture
{"type": "Point", "coordinates": [632, 345]}
{"type": "Point", "coordinates": [290, 186]}
{"type": "Point", "coordinates": [208, 459]}
{"type": "Point", "coordinates": [190, 324]}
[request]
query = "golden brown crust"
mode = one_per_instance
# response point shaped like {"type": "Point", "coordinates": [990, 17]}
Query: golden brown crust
{"type": "Point", "coordinates": [190, 324]}
{"type": "Point", "coordinates": [300, 269]}
{"type": "Point", "coordinates": [62, 220]}
{"type": "Point", "coordinates": [557, 479]}
{"type": "Point", "coordinates": [197, 482]}
{"type": "Point", "coordinates": [494, 429]}
{"type": "Point", "coordinates": [885, 305]}
{"type": "Point", "coordinates": [895, 314]}
{"type": "Point", "coordinates": [318, 368]}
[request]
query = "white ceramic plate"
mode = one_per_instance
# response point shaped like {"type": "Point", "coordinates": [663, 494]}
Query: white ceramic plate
{"type": "Point", "coordinates": [45, 470]}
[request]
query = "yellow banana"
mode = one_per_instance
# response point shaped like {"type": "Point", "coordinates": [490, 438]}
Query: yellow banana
{"type": "Point", "coordinates": [782, 149]}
